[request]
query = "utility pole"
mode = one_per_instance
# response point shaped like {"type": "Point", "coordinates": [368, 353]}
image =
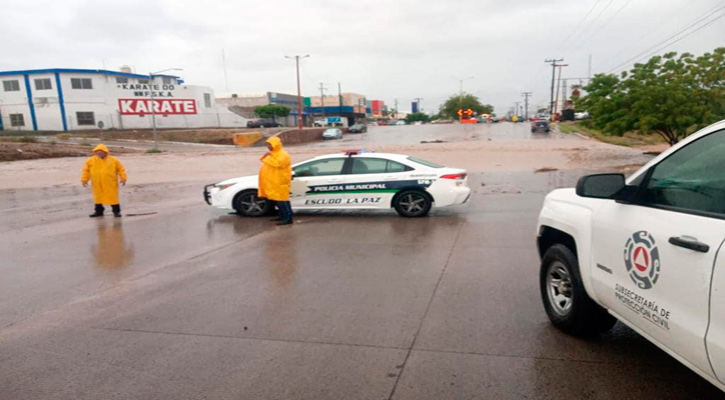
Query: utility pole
{"type": "Point", "coordinates": [339, 96]}
{"type": "Point", "coordinates": [395, 115]}
{"type": "Point", "coordinates": [322, 98]}
{"type": "Point", "coordinates": [589, 75]}
{"type": "Point", "coordinates": [558, 83]}
{"type": "Point", "coordinates": [300, 123]}
{"type": "Point", "coordinates": [224, 65]}
{"type": "Point", "coordinates": [517, 108]}
{"type": "Point", "coordinates": [526, 104]}
{"type": "Point", "coordinates": [553, 62]}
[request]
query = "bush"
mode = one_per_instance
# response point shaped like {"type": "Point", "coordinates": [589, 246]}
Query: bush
{"type": "Point", "coordinates": [153, 151]}
{"type": "Point", "coordinates": [85, 143]}
{"type": "Point", "coordinates": [63, 136]}
{"type": "Point", "coordinates": [27, 139]}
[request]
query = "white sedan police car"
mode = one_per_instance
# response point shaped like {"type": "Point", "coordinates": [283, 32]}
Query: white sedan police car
{"type": "Point", "coordinates": [353, 180]}
{"type": "Point", "coordinates": [646, 251]}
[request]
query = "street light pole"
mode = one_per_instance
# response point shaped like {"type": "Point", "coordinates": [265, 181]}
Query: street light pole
{"type": "Point", "coordinates": [460, 90]}
{"type": "Point", "coordinates": [556, 103]}
{"type": "Point", "coordinates": [300, 123]}
{"type": "Point", "coordinates": [153, 108]}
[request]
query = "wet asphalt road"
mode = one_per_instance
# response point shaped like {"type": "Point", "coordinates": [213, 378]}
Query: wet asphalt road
{"type": "Point", "coordinates": [193, 303]}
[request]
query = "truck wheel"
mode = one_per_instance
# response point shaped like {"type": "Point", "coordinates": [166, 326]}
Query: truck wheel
{"type": "Point", "coordinates": [566, 302]}
{"type": "Point", "coordinates": [249, 205]}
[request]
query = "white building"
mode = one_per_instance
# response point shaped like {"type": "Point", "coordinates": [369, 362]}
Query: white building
{"type": "Point", "coordinates": [74, 99]}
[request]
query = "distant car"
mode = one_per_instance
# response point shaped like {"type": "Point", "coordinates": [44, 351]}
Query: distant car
{"type": "Point", "coordinates": [263, 123]}
{"type": "Point", "coordinates": [352, 180]}
{"type": "Point", "coordinates": [540, 126]}
{"type": "Point", "coordinates": [442, 121]}
{"type": "Point", "coordinates": [332, 133]}
{"type": "Point", "coordinates": [581, 115]}
{"type": "Point", "coordinates": [382, 123]}
{"type": "Point", "coordinates": [358, 128]}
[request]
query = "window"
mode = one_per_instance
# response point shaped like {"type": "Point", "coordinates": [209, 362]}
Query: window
{"type": "Point", "coordinates": [691, 179]}
{"type": "Point", "coordinates": [17, 120]}
{"type": "Point", "coordinates": [81, 83]}
{"type": "Point", "coordinates": [121, 80]}
{"type": "Point", "coordinates": [329, 166]}
{"type": "Point", "coordinates": [11, 86]}
{"type": "Point", "coordinates": [86, 118]}
{"type": "Point", "coordinates": [167, 80]}
{"type": "Point", "coordinates": [143, 81]}
{"type": "Point", "coordinates": [377, 166]}
{"type": "Point", "coordinates": [207, 100]}
{"type": "Point", "coordinates": [43, 84]}
{"type": "Point", "coordinates": [424, 162]}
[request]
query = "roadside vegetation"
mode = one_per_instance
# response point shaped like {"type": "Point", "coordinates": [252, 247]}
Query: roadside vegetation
{"type": "Point", "coordinates": [671, 96]}
{"type": "Point", "coordinates": [628, 139]}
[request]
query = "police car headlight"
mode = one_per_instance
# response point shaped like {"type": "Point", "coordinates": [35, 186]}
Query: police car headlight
{"type": "Point", "coordinates": [222, 187]}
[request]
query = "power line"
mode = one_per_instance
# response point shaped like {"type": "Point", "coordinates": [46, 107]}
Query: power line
{"type": "Point", "coordinates": [608, 20]}
{"type": "Point", "coordinates": [594, 21]}
{"type": "Point", "coordinates": [674, 35]}
{"type": "Point", "coordinates": [580, 23]}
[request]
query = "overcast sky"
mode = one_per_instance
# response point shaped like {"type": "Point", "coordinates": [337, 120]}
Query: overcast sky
{"type": "Point", "coordinates": [383, 49]}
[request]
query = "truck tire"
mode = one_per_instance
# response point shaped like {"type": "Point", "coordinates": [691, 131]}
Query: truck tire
{"type": "Point", "coordinates": [566, 302]}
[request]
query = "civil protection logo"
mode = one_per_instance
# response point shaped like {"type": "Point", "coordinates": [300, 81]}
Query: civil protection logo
{"type": "Point", "coordinates": [642, 259]}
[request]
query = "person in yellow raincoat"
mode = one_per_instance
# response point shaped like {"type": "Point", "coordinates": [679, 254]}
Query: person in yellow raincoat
{"type": "Point", "coordinates": [275, 178]}
{"type": "Point", "coordinates": [104, 171]}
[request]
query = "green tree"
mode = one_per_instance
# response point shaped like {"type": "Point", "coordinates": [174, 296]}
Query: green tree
{"type": "Point", "coordinates": [450, 108]}
{"type": "Point", "coordinates": [668, 95]}
{"type": "Point", "coordinates": [414, 117]}
{"type": "Point", "coordinates": [272, 111]}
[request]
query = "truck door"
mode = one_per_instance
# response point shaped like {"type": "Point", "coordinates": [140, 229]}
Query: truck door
{"type": "Point", "coordinates": [716, 333]}
{"type": "Point", "coordinates": [652, 261]}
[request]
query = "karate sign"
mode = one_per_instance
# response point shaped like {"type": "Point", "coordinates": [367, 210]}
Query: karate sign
{"type": "Point", "coordinates": [160, 106]}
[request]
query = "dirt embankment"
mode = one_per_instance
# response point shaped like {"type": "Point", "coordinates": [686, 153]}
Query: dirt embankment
{"type": "Point", "coordinates": [10, 151]}
{"type": "Point", "coordinates": [207, 136]}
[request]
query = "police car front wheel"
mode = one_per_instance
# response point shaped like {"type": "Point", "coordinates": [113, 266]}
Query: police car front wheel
{"type": "Point", "coordinates": [412, 203]}
{"type": "Point", "coordinates": [566, 302]}
{"type": "Point", "coordinates": [248, 204]}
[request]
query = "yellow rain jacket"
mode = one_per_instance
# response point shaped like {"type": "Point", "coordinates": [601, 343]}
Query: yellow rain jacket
{"type": "Point", "coordinates": [275, 175]}
{"type": "Point", "coordinates": [104, 174]}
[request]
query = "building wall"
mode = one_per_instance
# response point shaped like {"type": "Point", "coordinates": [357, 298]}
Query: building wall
{"type": "Point", "coordinates": [103, 101]}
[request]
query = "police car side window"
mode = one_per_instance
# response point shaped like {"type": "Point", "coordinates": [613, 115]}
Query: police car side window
{"type": "Point", "coordinates": [331, 166]}
{"type": "Point", "coordinates": [376, 166]}
{"type": "Point", "coordinates": [691, 179]}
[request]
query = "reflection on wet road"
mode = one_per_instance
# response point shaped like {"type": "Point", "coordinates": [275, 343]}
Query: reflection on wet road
{"type": "Point", "coordinates": [195, 303]}
{"type": "Point", "coordinates": [415, 134]}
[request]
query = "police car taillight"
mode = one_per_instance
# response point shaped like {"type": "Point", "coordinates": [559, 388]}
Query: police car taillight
{"type": "Point", "coordinates": [454, 176]}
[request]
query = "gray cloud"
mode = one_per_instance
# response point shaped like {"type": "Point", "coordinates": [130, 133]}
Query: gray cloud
{"type": "Point", "coordinates": [386, 50]}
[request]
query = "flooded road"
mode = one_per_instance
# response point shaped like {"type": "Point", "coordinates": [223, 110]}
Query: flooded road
{"type": "Point", "coordinates": [185, 302]}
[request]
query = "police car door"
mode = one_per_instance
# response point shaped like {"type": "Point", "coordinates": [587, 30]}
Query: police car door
{"type": "Point", "coordinates": [373, 181]}
{"type": "Point", "coordinates": [316, 182]}
{"type": "Point", "coordinates": [652, 261]}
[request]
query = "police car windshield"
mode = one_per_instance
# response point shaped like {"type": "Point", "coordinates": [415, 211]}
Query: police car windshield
{"type": "Point", "coordinates": [424, 162]}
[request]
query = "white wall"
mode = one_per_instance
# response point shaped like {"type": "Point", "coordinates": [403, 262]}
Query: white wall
{"type": "Point", "coordinates": [102, 100]}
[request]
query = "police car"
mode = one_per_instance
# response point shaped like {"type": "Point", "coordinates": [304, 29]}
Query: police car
{"type": "Point", "coordinates": [646, 251]}
{"type": "Point", "coordinates": [353, 180]}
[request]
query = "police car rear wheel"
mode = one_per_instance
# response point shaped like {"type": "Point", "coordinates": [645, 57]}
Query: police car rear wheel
{"type": "Point", "coordinates": [249, 205]}
{"type": "Point", "coordinates": [412, 203]}
{"type": "Point", "coordinates": [566, 302]}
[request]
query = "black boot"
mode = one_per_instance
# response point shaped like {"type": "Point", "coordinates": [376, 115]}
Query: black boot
{"type": "Point", "coordinates": [98, 212]}
{"type": "Point", "coordinates": [116, 210]}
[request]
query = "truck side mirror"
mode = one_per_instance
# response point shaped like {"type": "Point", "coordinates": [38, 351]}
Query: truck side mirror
{"type": "Point", "coordinates": [600, 186]}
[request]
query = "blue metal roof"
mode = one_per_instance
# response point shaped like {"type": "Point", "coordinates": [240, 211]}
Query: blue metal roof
{"type": "Point", "coordinates": [80, 71]}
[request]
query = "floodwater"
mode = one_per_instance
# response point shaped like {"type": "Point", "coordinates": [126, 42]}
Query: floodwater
{"type": "Point", "coordinates": [186, 302]}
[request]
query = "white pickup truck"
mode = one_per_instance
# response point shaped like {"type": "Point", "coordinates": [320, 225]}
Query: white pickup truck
{"type": "Point", "coordinates": [645, 251]}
